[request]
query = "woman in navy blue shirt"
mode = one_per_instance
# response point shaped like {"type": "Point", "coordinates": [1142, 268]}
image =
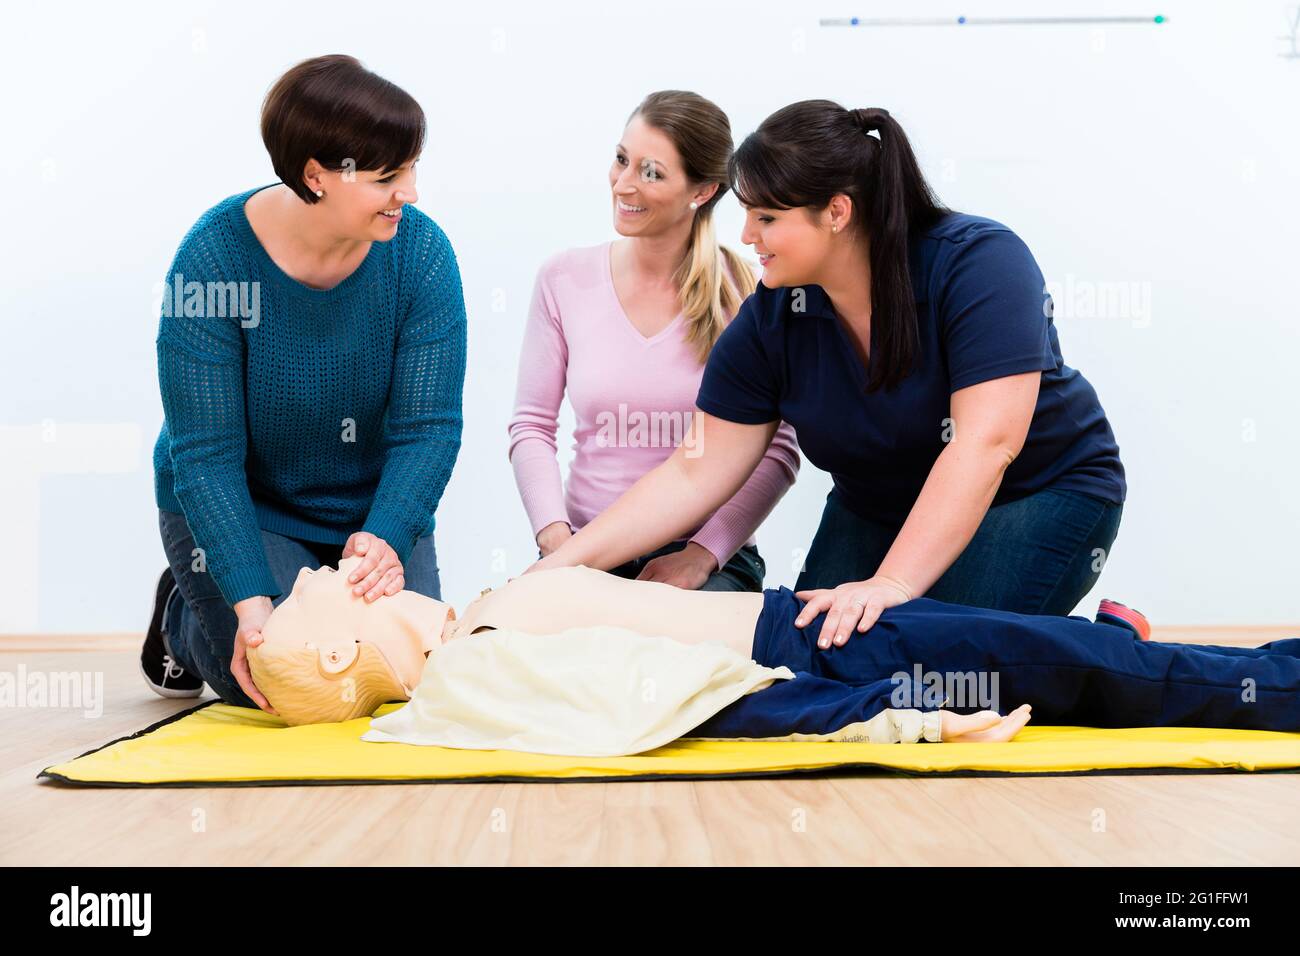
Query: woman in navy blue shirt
{"type": "Point", "coordinates": [913, 350]}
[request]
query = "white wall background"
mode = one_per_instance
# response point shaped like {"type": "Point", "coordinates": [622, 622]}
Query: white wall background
{"type": "Point", "coordinates": [1161, 159]}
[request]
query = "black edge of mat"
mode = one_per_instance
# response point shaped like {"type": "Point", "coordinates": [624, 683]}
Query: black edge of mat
{"type": "Point", "coordinates": [139, 733]}
{"type": "Point", "coordinates": [832, 771]}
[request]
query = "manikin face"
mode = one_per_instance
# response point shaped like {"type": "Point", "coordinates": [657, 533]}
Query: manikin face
{"type": "Point", "coordinates": [323, 646]}
{"type": "Point", "coordinates": [364, 204]}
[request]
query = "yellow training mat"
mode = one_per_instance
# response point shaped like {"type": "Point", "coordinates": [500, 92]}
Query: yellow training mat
{"type": "Point", "coordinates": [216, 744]}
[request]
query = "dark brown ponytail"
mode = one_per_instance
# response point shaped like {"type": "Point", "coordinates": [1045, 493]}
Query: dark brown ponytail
{"type": "Point", "coordinates": [807, 152]}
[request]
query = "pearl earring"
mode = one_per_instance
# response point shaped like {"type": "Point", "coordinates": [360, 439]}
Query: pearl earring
{"type": "Point", "coordinates": [695, 205]}
{"type": "Point", "coordinates": [320, 192]}
{"type": "Point", "coordinates": [835, 228]}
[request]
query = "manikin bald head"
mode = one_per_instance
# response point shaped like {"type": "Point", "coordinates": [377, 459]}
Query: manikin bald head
{"type": "Point", "coordinates": [329, 655]}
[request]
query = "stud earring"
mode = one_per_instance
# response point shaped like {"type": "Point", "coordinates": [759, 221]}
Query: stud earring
{"type": "Point", "coordinates": [695, 205]}
{"type": "Point", "coordinates": [320, 192]}
{"type": "Point", "coordinates": [835, 228]}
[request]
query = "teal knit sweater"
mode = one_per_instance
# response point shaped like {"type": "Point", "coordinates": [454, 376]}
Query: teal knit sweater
{"type": "Point", "coordinates": [309, 413]}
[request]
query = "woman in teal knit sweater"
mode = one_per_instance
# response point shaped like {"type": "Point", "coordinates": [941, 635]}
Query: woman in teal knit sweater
{"type": "Point", "coordinates": [311, 357]}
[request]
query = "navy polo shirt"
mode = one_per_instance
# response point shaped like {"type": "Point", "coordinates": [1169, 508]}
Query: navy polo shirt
{"type": "Point", "coordinates": [983, 312]}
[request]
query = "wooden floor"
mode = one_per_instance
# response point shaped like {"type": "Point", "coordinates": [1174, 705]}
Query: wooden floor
{"type": "Point", "coordinates": [1089, 821]}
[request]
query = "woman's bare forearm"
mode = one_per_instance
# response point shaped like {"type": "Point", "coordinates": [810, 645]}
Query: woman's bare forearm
{"type": "Point", "coordinates": [636, 523]}
{"type": "Point", "coordinates": [671, 500]}
{"type": "Point", "coordinates": [953, 501]}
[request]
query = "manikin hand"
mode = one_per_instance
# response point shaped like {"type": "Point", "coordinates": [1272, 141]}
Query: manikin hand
{"type": "Point", "coordinates": [986, 727]}
{"type": "Point", "coordinates": [856, 603]}
{"type": "Point", "coordinates": [252, 614]}
{"type": "Point", "coordinates": [687, 569]}
{"type": "Point", "coordinates": [380, 571]}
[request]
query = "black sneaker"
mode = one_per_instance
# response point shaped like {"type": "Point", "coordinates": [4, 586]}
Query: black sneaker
{"type": "Point", "coordinates": [162, 673]}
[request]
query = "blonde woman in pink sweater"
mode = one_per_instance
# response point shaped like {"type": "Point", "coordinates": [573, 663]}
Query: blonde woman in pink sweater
{"type": "Point", "coordinates": [624, 328]}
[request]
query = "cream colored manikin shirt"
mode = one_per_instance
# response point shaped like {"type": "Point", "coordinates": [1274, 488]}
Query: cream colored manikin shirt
{"type": "Point", "coordinates": [598, 691]}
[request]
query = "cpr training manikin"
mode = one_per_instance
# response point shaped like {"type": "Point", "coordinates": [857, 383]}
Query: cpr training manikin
{"type": "Point", "coordinates": [574, 683]}
{"type": "Point", "coordinates": [565, 661]}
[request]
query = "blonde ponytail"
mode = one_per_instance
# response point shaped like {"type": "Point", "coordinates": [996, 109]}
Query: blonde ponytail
{"type": "Point", "coordinates": [708, 295]}
{"type": "Point", "coordinates": [701, 133]}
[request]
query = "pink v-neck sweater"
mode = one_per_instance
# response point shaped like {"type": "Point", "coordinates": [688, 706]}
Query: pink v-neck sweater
{"type": "Point", "coordinates": [633, 398]}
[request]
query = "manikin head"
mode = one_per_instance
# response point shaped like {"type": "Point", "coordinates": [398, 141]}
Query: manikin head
{"type": "Point", "coordinates": [329, 655]}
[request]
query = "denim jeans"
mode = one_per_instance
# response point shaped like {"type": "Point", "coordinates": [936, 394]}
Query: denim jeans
{"type": "Point", "coordinates": [199, 626]}
{"type": "Point", "coordinates": [1037, 555]}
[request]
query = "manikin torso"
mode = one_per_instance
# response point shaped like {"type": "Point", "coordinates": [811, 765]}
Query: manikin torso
{"type": "Point", "coordinates": [322, 615]}
{"type": "Point", "coordinates": [549, 601]}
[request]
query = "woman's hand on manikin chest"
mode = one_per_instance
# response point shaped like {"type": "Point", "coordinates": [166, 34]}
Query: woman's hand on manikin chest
{"type": "Point", "coordinates": [687, 569]}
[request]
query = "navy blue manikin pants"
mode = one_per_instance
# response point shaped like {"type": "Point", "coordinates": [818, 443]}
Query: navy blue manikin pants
{"type": "Point", "coordinates": [1071, 670]}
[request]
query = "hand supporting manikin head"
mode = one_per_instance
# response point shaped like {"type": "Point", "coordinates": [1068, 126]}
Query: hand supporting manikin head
{"type": "Point", "coordinates": [329, 655]}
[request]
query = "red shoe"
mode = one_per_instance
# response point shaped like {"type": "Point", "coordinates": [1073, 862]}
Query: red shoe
{"type": "Point", "coordinates": [1112, 612]}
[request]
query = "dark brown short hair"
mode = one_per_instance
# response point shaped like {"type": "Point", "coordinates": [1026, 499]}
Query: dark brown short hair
{"type": "Point", "coordinates": [332, 109]}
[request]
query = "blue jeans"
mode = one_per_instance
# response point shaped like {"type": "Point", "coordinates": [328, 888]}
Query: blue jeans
{"type": "Point", "coordinates": [1037, 555]}
{"type": "Point", "coordinates": [1071, 670]}
{"type": "Point", "coordinates": [743, 572]}
{"type": "Point", "coordinates": [199, 625]}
